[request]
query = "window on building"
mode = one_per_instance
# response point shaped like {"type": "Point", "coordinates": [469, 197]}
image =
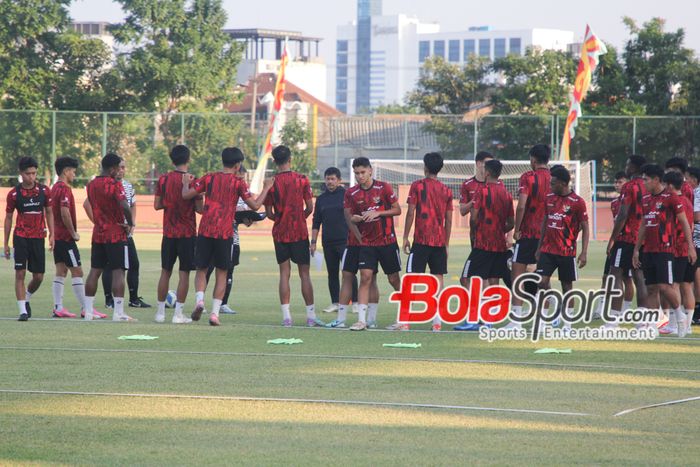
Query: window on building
{"type": "Point", "coordinates": [342, 59]}
{"type": "Point", "coordinates": [453, 52]}
{"type": "Point", "coordinates": [342, 107]}
{"type": "Point", "coordinates": [341, 84]}
{"type": "Point", "coordinates": [516, 46]}
{"type": "Point", "coordinates": [341, 72]}
{"type": "Point", "coordinates": [469, 48]}
{"type": "Point", "coordinates": [341, 97]}
{"type": "Point", "coordinates": [439, 48]}
{"type": "Point", "coordinates": [341, 46]}
{"type": "Point", "coordinates": [499, 48]}
{"type": "Point", "coordinates": [485, 48]}
{"type": "Point", "coordinates": [423, 50]}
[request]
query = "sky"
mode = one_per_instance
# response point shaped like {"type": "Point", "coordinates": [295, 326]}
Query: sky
{"type": "Point", "coordinates": [320, 18]}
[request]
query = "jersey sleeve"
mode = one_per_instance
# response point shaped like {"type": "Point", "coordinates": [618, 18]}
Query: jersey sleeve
{"type": "Point", "coordinates": [269, 198]}
{"type": "Point", "coordinates": [628, 194]}
{"type": "Point", "coordinates": [119, 191]}
{"type": "Point", "coordinates": [62, 196]}
{"type": "Point", "coordinates": [509, 205]}
{"type": "Point", "coordinates": [11, 200]}
{"type": "Point", "coordinates": [582, 211]}
{"type": "Point", "coordinates": [675, 204]}
{"type": "Point", "coordinates": [448, 201]}
{"type": "Point", "coordinates": [159, 186]}
{"type": "Point", "coordinates": [412, 194]}
{"type": "Point", "coordinates": [200, 185]}
{"type": "Point", "coordinates": [389, 195]}
{"type": "Point", "coordinates": [243, 191]}
{"type": "Point", "coordinates": [463, 194]}
{"type": "Point", "coordinates": [47, 196]}
{"type": "Point", "coordinates": [348, 202]}
{"type": "Point", "coordinates": [525, 185]}
{"type": "Point", "coordinates": [306, 187]}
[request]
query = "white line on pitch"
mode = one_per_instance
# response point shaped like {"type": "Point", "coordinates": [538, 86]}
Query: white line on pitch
{"type": "Point", "coordinates": [279, 399]}
{"type": "Point", "coordinates": [351, 357]}
{"type": "Point", "coordinates": [661, 404]}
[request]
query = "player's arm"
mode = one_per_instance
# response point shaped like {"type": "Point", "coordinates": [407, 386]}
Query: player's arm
{"type": "Point", "coordinates": [640, 241]}
{"type": "Point", "coordinates": [187, 191]}
{"type": "Point", "coordinates": [351, 221]}
{"type": "Point", "coordinates": [687, 231]}
{"type": "Point", "coordinates": [68, 223]}
{"type": "Point", "coordinates": [408, 223]}
{"type": "Point", "coordinates": [543, 229]}
{"type": "Point", "coordinates": [473, 213]}
{"type": "Point", "coordinates": [465, 208]}
{"type": "Point", "coordinates": [8, 229]}
{"type": "Point", "coordinates": [448, 227]}
{"type": "Point", "coordinates": [315, 228]}
{"type": "Point", "coordinates": [395, 210]}
{"type": "Point", "coordinates": [48, 212]}
{"type": "Point", "coordinates": [519, 215]}
{"type": "Point", "coordinates": [158, 203]}
{"type": "Point", "coordinates": [124, 204]}
{"type": "Point", "coordinates": [585, 236]}
{"type": "Point", "coordinates": [255, 204]}
{"type": "Point", "coordinates": [88, 210]}
{"type": "Point", "coordinates": [619, 224]}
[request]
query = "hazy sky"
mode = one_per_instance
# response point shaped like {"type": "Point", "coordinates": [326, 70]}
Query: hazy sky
{"type": "Point", "coordinates": [320, 17]}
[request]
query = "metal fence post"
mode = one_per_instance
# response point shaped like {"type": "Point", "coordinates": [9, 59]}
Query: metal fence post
{"type": "Point", "coordinates": [634, 135]}
{"type": "Point", "coordinates": [595, 199]}
{"type": "Point", "coordinates": [104, 133]}
{"type": "Point", "coordinates": [182, 128]}
{"type": "Point", "coordinates": [335, 138]}
{"type": "Point", "coordinates": [405, 147]}
{"type": "Point", "coordinates": [53, 137]}
{"type": "Point", "coordinates": [476, 135]}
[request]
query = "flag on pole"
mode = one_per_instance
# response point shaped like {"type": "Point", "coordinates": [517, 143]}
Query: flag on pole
{"type": "Point", "coordinates": [592, 49]}
{"type": "Point", "coordinates": [259, 175]}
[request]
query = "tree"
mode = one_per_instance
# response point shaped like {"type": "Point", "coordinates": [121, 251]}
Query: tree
{"type": "Point", "coordinates": [295, 135]}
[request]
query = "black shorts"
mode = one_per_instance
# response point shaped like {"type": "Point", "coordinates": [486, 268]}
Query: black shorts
{"type": "Point", "coordinates": [213, 251]}
{"type": "Point", "coordinates": [114, 255]}
{"type": "Point", "coordinates": [424, 255]}
{"type": "Point", "coordinates": [177, 249]}
{"type": "Point", "coordinates": [525, 249]}
{"type": "Point", "coordinates": [388, 256]}
{"type": "Point", "coordinates": [621, 256]}
{"type": "Point", "coordinates": [657, 268]}
{"type": "Point", "coordinates": [29, 254]}
{"type": "Point", "coordinates": [298, 252]}
{"type": "Point", "coordinates": [486, 264]}
{"type": "Point", "coordinates": [683, 270]}
{"type": "Point", "coordinates": [565, 265]}
{"type": "Point", "coordinates": [351, 259]}
{"type": "Point", "coordinates": [66, 253]}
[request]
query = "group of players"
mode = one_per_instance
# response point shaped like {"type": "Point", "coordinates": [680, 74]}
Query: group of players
{"type": "Point", "coordinates": [651, 249]}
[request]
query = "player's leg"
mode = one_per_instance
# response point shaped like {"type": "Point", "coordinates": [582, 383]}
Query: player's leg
{"type": "Point", "coordinates": [36, 264]}
{"type": "Point", "coordinates": [348, 266]}
{"type": "Point", "coordinates": [363, 299]}
{"type": "Point", "coordinates": [118, 258]}
{"type": "Point", "coordinates": [204, 253]}
{"type": "Point", "coordinates": [437, 260]}
{"type": "Point", "coordinates": [332, 254]}
{"type": "Point", "coordinates": [523, 257]}
{"type": "Point", "coordinates": [390, 260]}
{"type": "Point", "coordinates": [132, 277]}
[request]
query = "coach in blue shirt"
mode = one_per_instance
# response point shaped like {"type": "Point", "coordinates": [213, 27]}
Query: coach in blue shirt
{"type": "Point", "coordinates": [328, 213]}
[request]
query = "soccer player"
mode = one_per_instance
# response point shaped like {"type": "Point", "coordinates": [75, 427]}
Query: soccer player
{"type": "Point", "coordinates": [179, 233]}
{"type": "Point", "coordinates": [680, 165]}
{"type": "Point", "coordinates": [32, 200]}
{"type": "Point", "coordinates": [624, 236]}
{"type": "Point", "coordinates": [620, 180]}
{"type": "Point", "coordinates": [430, 204]}
{"type": "Point", "coordinates": [492, 217]}
{"type": "Point", "coordinates": [661, 207]}
{"type": "Point", "coordinates": [471, 185]}
{"type": "Point", "coordinates": [372, 205]}
{"type": "Point", "coordinates": [215, 239]}
{"type": "Point", "coordinates": [694, 179]}
{"type": "Point", "coordinates": [532, 191]}
{"type": "Point", "coordinates": [289, 203]}
{"type": "Point", "coordinates": [108, 209]}
{"type": "Point", "coordinates": [132, 275]}
{"type": "Point", "coordinates": [683, 270]}
{"type": "Point", "coordinates": [65, 251]}
{"type": "Point", "coordinates": [565, 216]}
{"type": "Point", "coordinates": [329, 214]}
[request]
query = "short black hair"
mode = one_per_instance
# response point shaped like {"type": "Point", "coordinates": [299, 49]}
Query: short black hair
{"type": "Point", "coordinates": [110, 160]}
{"type": "Point", "coordinates": [180, 154]}
{"type": "Point", "coordinates": [64, 163]}
{"type": "Point", "coordinates": [27, 162]}
{"type": "Point", "coordinates": [674, 179]}
{"type": "Point", "coordinates": [361, 162]}
{"type": "Point", "coordinates": [494, 167]}
{"type": "Point", "coordinates": [433, 162]}
{"type": "Point", "coordinates": [482, 155]}
{"type": "Point", "coordinates": [541, 153]}
{"type": "Point", "coordinates": [231, 157]}
{"type": "Point", "coordinates": [620, 175]}
{"type": "Point", "coordinates": [637, 160]}
{"type": "Point", "coordinates": [679, 163]}
{"type": "Point", "coordinates": [281, 154]}
{"type": "Point", "coordinates": [330, 171]}
{"type": "Point", "coordinates": [560, 173]}
{"type": "Point", "coordinates": [694, 172]}
{"type": "Point", "coordinates": [653, 170]}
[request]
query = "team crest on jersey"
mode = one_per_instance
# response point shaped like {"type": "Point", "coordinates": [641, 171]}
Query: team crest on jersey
{"type": "Point", "coordinates": [658, 205]}
{"type": "Point", "coordinates": [376, 199]}
{"type": "Point", "coordinates": [567, 208]}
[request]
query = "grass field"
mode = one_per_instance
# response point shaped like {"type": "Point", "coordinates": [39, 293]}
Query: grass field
{"type": "Point", "coordinates": [265, 409]}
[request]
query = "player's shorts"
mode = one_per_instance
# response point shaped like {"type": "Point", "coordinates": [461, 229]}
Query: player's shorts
{"type": "Point", "coordinates": [297, 252]}
{"type": "Point", "coordinates": [486, 264]}
{"type": "Point", "coordinates": [565, 265]}
{"type": "Point", "coordinates": [29, 254]}
{"type": "Point", "coordinates": [606, 268]}
{"type": "Point", "coordinates": [236, 255]}
{"type": "Point", "coordinates": [66, 253]}
{"type": "Point", "coordinates": [216, 251]}
{"type": "Point", "coordinates": [423, 255]}
{"type": "Point", "coordinates": [621, 256]}
{"type": "Point", "coordinates": [387, 255]}
{"type": "Point", "coordinates": [525, 249]}
{"type": "Point", "coordinates": [657, 268]}
{"type": "Point", "coordinates": [351, 259]}
{"type": "Point", "coordinates": [683, 270]}
{"type": "Point", "coordinates": [177, 249]}
{"type": "Point", "coordinates": [114, 255]}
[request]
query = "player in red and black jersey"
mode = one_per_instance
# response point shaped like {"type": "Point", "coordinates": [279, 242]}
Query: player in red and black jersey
{"type": "Point", "coordinates": [624, 236]}
{"type": "Point", "coordinates": [65, 252]}
{"type": "Point", "coordinates": [430, 204]}
{"type": "Point", "coordinates": [109, 211]}
{"type": "Point", "coordinates": [214, 243]}
{"type": "Point", "coordinates": [471, 185]}
{"type": "Point", "coordinates": [661, 207]}
{"type": "Point", "coordinates": [32, 200]}
{"type": "Point", "coordinates": [179, 232]}
{"type": "Point", "coordinates": [289, 203]}
{"type": "Point", "coordinates": [680, 165]}
{"type": "Point", "coordinates": [372, 205]}
{"type": "Point", "coordinates": [565, 216]}
{"type": "Point", "coordinates": [532, 191]}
